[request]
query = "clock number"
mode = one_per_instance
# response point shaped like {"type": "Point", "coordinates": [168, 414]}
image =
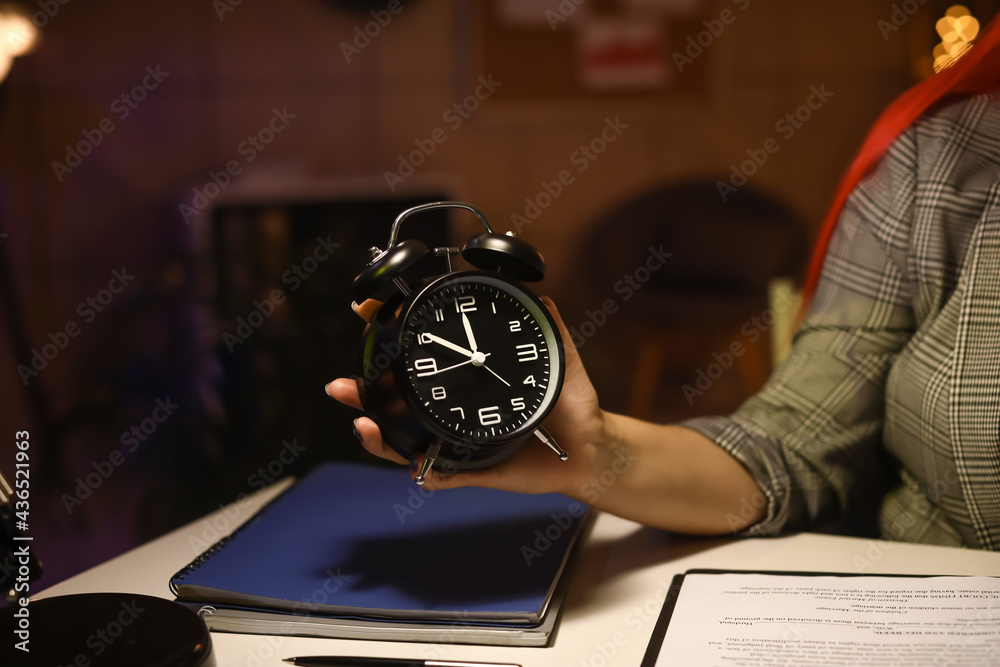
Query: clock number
{"type": "Point", "coordinates": [527, 352]}
{"type": "Point", "coordinates": [460, 411]}
{"type": "Point", "coordinates": [424, 338]}
{"type": "Point", "coordinates": [490, 415]}
{"type": "Point", "coordinates": [465, 304]}
{"type": "Point", "coordinates": [529, 380]}
{"type": "Point", "coordinates": [426, 366]}
{"type": "Point", "coordinates": [515, 326]}
{"type": "Point", "coordinates": [438, 393]}
{"type": "Point", "coordinates": [439, 314]}
{"type": "Point", "coordinates": [517, 404]}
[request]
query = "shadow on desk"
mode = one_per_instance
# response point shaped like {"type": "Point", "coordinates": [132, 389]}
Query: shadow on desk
{"type": "Point", "coordinates": [604, 560]}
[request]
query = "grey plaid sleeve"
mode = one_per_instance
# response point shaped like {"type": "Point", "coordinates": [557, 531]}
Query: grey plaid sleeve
{"type": "Point", "coordinates": [811, 437]}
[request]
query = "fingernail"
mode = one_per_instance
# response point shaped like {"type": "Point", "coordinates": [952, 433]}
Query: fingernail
{"type": "Point", "coordinates": [357, 433]}
{"type": "Point", "coordinates": [326, 387]}
{"type": "Point", "coordinates": [414, 464]}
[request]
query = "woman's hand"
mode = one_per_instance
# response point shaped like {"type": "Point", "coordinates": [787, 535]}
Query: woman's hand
{"type": "Point", "coordinates": [659, 475]}
{"type": "Point", "coordinates": [576, 422]}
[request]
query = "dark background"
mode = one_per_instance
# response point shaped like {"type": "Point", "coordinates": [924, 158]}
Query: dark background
{"type": "Point", "coordinates": [161, 337]}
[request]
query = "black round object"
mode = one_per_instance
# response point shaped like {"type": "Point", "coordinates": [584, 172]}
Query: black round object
{"type": "Point", "coordinates": [473, 362]}
{"type": "Point", "coordinates": [507, 254]}
{"type": "Point", "coordinates": [372, 281]}
{"type": "Point", "coordinates": [104, 630]}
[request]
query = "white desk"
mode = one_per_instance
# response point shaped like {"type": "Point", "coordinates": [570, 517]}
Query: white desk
{"type": "Point", "coordinates": [616, 589]}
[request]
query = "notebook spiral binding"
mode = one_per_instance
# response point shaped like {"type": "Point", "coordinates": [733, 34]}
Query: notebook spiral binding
{"type": "Point", "coordinates": [218, 546]}
{"type": "Point", "coordinates": [200, 560]}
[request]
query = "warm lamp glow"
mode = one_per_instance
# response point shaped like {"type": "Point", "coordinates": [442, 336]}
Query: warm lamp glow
{"type": "Point", "coordinates": [18, 34]}
{"type": "Point", "coordinates": [5, 63]}
{"type": "Point", "coordinates": [963, 28]}
{"type": "Point", "coordinates": [957, 29]}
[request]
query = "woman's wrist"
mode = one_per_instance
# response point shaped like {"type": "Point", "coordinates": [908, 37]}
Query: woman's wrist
{"type": "Point", "coordinates": [602, 457]}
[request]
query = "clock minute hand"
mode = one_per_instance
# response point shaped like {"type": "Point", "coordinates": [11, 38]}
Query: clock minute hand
{"type": "Point", "coordinates": [468, 332]}
{"type": "Point", "coordinates": [448, 344]}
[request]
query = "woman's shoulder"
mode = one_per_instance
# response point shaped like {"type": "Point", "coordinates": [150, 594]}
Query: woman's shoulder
{"type": "Point", "coordinates": [964, 125]}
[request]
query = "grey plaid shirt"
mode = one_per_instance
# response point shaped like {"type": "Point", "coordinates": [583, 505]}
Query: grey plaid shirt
{"type": "Point", "coordinates": [888, 405]}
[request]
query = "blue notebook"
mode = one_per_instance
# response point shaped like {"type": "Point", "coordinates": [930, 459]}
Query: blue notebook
{"type": "Point", "coordinates": [361, 542]}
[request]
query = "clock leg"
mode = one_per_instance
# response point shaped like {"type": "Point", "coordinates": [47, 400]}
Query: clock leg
{"type": "Point", "coordinates": [547, 439]}
{"type": "Point", "coordinates": [429, 458]}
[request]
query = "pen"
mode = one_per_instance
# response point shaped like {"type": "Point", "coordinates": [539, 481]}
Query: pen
{"type": "Point", "coordinates": [348, 661]}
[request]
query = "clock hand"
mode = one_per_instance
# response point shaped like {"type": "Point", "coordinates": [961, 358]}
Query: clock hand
{"type": "Point", "coordinates": [495, 375]}
{"type": "Point", "coordinates": [448, 344]}
{"type": "Point", "coordinates": [472, 344]}
{"type": "Point", "coordinates": [468, 332]}
{"type": "Point", "coordinates": [448, 368]}
{"type": "Point", "coordinates": [475, 357]}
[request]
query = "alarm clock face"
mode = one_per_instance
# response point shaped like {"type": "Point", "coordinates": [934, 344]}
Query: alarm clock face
{"type": "Point", "coordinates": [481, 358]}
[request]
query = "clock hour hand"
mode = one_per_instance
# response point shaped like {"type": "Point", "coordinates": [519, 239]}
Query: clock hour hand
{"type": "Point", "coordinates": [448, 344]}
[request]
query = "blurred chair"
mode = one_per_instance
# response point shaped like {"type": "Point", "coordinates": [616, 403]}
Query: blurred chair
{"type": "Point", "coordinates": [706, 295]}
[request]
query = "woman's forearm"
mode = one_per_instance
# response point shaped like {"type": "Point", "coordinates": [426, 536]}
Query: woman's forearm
{"type": "Point", "coordinates": [667, 477]}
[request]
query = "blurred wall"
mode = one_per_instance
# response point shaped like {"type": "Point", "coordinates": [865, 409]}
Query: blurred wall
{"type": "Point", "coordinates": [217, 73]}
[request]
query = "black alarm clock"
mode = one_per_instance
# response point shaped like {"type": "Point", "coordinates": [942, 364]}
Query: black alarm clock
{"type": "Point", "coordinates": [462, 366]}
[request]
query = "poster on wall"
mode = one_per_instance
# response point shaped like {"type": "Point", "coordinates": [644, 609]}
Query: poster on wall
{"type": "Point", "coordinates": [614, 55]}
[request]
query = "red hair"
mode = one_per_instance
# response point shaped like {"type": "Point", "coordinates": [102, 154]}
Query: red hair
{"type": "Point", "coordinates": [977, 71]}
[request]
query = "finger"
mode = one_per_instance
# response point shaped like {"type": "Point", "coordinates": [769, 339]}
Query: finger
{"type": "Point", "coordinates": [573, 362]}
{"type": "Point", "coordinates": [367, 309]}
{"type": "Point", "coordinates": [371, 439]}
{"type": "Point", "coordinates": [345, 390]}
